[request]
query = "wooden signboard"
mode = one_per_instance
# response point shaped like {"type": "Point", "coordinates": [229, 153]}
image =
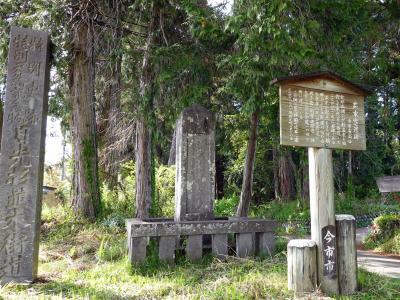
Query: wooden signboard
{"type": "Point", "coordinates": [388, 184]}
{"type": "Point", "coordinates": [321, 110]}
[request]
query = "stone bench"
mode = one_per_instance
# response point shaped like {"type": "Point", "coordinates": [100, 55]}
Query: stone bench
{"type": "Point", "coordinates": [253, 237]}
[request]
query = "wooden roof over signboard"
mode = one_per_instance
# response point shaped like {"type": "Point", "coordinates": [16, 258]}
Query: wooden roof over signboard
{"type": "Point", "coordinates": [323, 74]}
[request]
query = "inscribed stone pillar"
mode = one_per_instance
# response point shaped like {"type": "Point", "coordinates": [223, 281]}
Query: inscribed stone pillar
{"type": "Point", "coordinates": [22, 154]}
{"type": "Point", "coordinates": [195, 165]}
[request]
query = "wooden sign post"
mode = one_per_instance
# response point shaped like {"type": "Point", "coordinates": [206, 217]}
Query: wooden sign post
{"type": "Point", "coordinates": [322, 111]}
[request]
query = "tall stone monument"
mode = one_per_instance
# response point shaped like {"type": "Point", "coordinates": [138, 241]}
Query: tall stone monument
{"type": "Point", "coordinates": [195, 165]}
{"type": "Point", "coordinates": [22, 154]}
{"type": "Point", "coordinates": [194, 224]}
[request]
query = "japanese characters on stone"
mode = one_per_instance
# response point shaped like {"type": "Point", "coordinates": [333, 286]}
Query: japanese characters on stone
{"type": "Point", "coordinates": [329, 250]}
{"type": "Point", "coordinates": [22, 153]}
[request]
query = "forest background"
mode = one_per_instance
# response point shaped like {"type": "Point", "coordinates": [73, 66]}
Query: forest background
{"type": "Point", "coordinates": [123, 71]}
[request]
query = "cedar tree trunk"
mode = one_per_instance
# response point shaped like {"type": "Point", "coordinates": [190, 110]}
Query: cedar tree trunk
{"type": "Point", "coordinates": [172, 150]}
{"type": "Point", "coordinates": [286, 176]}
{"type": "Point", "coordinates": [247, 185]}
{"type": "Point", "coordinates": [110, 158]}
{"type": "Point", "coordinates": [86, 196]}
{"type": "Point", "coordinates": [276, 172]}
{"type": "Point", "coordinates": [143, 131]}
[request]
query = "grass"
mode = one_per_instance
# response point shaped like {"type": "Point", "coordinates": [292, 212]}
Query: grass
{"type": "Point", "coordinates": [80, 260]}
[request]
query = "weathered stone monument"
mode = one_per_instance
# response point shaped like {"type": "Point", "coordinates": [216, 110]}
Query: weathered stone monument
{"type": "Point", "coordinates": [194, 183]}
{"type": "Point", "coordinates": [194, 199]}
{"type": "Point", "coordinates": [22, 154]}
{"type": "Point", "coordinates": [321, 111]}
{"type": "Point", "coordinates": [195, 165]}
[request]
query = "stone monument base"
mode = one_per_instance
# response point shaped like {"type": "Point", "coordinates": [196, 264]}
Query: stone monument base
{"type": "Point", "coordinates": [252, 237]}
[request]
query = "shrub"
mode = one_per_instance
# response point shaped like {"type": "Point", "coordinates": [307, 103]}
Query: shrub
{"type": "Point", "coordinates": [60, 222]}
{"type": "Point", "coordinates": [392, 245]}
{"type": "Point", "coordinates": [114, 220]}
{"type": "Point", "coordinates": [57, 213]}
{"type": "Point", "coordinates": [384, 235]}
{"type": "Point", "coordinates": [164, 200]}
{"type": "Point", "coordinates": [282, 211]}
{"type": "Point", "coordinates": [226, 207]}
{"type": "Point", "coordinates": [63, 191]}
{"type": "Point", "coordinates": [281, 245]}
{"type": "Point", "coordinates": [116, 203]}
{"type": "Point", "coordinates": [387, 224]}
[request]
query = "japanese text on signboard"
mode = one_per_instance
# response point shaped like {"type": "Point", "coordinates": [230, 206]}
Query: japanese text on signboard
{"type": "Point", "coordinates": [316, 118]}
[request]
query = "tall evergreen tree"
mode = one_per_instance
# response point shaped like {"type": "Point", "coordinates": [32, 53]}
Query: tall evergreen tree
{"type": "Point", "coordinates": [86, 195]}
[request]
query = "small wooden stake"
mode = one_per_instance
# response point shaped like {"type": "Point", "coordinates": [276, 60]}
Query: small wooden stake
{"type": "Point", "coordinates": [347, 253]}
{"type": "Point", "coordinates": [322, 211]}
{"type": "Point", "coordinates": [302, 266]}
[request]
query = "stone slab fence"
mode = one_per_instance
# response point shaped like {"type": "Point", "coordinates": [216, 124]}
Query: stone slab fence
{"type": "Point", "coordinates": [252, 236]}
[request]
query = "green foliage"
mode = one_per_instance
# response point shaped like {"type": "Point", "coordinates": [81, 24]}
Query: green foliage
{"type": "Point", "coordinates": [117, 207]}
{"type": "Point", "coordinates": [226, 63]}
{"type": "Point", "coordinates": [231, 144]}
{"type": "Point", "coordinates": [281, 245]}
{"type": "Point", "coordinates": [111, 249]}
{"type": "Point", "coordinates": [63, 191]}
{"type": "Point", "coordinates": [52, 179]}
{"type": "Point", "coordinates": [164, 201]}
{"type": "Point", "coordinates": [116, 220]}
{"type": "Point", "coordinates": [392, 245]}
{"type": "Point", "coordinates": [60, 222]}
{"type": "Point", "coordinates": [268, 42]}
{"type": "Point", "coordinates": [57, 213]}
{"type": "Point", "coordinates": [373, 286]}
{"type": "Point", "coordinates": [386, 225]}
{"type": "Point", "coordinates": [356, 206]}
{"type": "Point", "coordinates": [119, 204]}
{"type": "Point", "coordinates": [282, 211]}
{"type": "Point", "coordinates": [385, 234]}
{"type": "Point", "coordinates": [226, 207]}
